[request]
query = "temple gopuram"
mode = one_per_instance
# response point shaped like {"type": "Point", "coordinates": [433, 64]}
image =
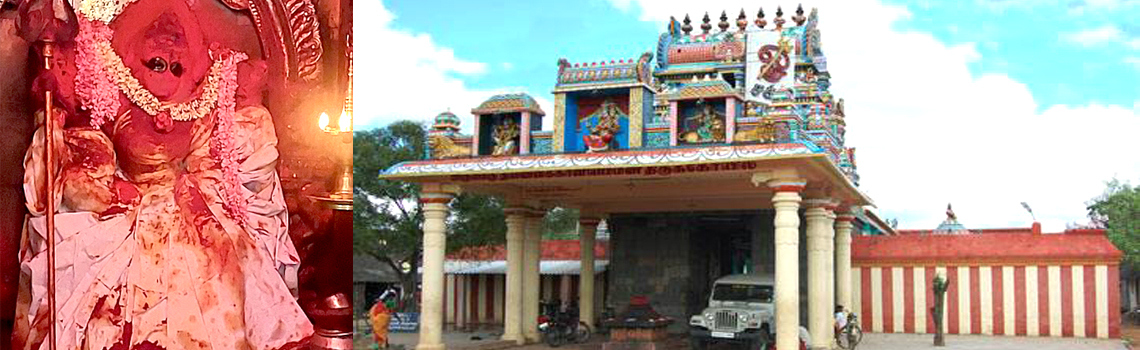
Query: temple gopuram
{"type": "Point", "coordinates": [699, 152]}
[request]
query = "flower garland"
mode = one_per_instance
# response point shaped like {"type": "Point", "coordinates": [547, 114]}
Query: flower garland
{"type": "Point", "coordinates": [102, 76]}
{"type": "Point", "coordinates": [222, 141]}
{"type": "Point", "coordinates": [94, 86]}
{"type": "Point", "coordinates": [103, 10]}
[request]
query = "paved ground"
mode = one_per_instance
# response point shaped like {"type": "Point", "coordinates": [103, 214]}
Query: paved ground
{"type": "Point", "coordinates": [978, 342]}
{"type": "Point", "coordinates": [871, 341]}
{"type": "Point", "coordinates": [453, 339]}
{"type": "Point", "coordinates": [457, 340]}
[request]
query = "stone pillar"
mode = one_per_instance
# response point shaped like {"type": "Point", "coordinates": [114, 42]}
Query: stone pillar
{"type": "Point", "coordinates": [475, 137]}
{"type": "Point", "coordinates": [673, 122]}
{"type": "Point", "coordinates": [819, 246]}
{"type": "Point", "coordinates": [787, 203]}
{"type": "Point", "coordinates": [524, 134]}
{"type": "Point", "coordinates": [829, 271]}
{"type": "Point", "coordinates": [531, 281]}
{"type": "Point", "coordinates": [587, 231]}
{"type": "Point", "coordinates": [512, 318]}
{"type": "Point", "coordinates": [843, 226]}
{"type": "Point", "coordinates": [730, 119]}
{"type": "Point", "coordinates": [434, 198]}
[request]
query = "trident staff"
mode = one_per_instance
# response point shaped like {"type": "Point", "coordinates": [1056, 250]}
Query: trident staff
{"type": "Point", "coordinates": [48, 51]}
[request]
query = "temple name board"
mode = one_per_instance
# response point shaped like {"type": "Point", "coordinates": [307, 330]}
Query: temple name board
{"type": "Point", "coordinates": [665, 170]}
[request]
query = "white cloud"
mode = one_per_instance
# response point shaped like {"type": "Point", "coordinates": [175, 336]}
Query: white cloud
{"type": "Point", "coordinates": [1105, 34]}
{"type": "Point", "coordinates": [1133, 61]}
{"type": "Point", "coordinates": [930, 132]}
{"type": "Point", "coordinates": [1079, 8]}
{"type": "Point", "coordinates": [407, 75]}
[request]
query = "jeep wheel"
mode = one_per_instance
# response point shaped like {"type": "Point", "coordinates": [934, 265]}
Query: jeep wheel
{"type": "Point", "coordinates": [697, 344]}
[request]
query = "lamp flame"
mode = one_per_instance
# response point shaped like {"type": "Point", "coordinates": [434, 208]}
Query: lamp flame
{"type": "Point", "coordinates": [323, 123]}
{"type": "Point", "coordinates": [345, 121]}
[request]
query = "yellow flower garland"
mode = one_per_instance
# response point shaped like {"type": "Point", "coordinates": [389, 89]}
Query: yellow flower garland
{"type": "Point", "coordinates": [103, 10]}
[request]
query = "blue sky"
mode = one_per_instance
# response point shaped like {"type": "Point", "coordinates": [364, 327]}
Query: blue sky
{"type": "Point", "coordinates": [1028, 42]}
{"type": "Point", "coordinates": [981, 103]}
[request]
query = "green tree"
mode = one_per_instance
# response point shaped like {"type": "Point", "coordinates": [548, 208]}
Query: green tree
{"type": "Point", "coordinates": [387, 215]}
{"type": "Point", "coordinates": [1118, 211]}
{"type": "Point", "coordinates": [560, 223]}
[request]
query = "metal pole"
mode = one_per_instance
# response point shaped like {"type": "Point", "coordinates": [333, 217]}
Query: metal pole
{"type": "Point", "coordinates": [49, 157]}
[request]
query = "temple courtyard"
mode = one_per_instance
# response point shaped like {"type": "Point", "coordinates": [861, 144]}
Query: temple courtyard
{"type": "Point", "coordinates": [872, 341]}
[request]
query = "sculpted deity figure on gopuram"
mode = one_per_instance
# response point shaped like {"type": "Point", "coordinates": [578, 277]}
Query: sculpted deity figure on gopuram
{"type": "Point", "coordinates": [171, 227]}
{"type": "Point", "coordinates": [505, 135]}
{"type": "Point", "coordinates": [602, 134]}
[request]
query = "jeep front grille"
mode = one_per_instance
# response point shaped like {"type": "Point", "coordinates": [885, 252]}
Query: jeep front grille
{"type": "Point", "coordinates": [725, 320]}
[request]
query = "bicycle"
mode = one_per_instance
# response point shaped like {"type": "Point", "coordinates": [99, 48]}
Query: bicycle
{"type": "Point", "coordinates": [1132, 317]}
{"type": "Point", "coordinates": [560, 327]}
{"type": "Point", "coordinates": [851, 334]}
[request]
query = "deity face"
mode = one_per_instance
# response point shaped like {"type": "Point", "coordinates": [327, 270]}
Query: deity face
{"type": "Point", "coordinates": [158, 61]}
{"type": "Point", "coordinates": [162, 45]}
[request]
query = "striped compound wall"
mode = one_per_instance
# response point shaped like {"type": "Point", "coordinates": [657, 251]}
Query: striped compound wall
{"type": "Point", "coordinates": [478, 299]}
{"type": "Point", "coordinates": [1061, 285]}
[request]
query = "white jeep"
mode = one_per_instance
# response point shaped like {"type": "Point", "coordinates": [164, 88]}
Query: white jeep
{"type": "Point", "coordinates": [740, 310]}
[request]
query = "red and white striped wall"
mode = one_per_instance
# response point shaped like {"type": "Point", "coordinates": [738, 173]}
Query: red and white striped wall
{"type": "Point", "coordinates": [1003, 284]}
{"type": "Point", "coordinates": [1046, 300]}
{"type": "Point", "coordinates": [478, 298]}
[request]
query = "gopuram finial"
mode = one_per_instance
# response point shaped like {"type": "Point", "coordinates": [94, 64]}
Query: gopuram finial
{"type": "Point", "coordinates": [799, 17]}
{"type": "Point", "coordinates": [760, 22]}
{"type": "Point", "coordinates": [686, 26]}
{"type": "Point", "coordinates": [779, 18]}
{"type": "Point", "coordinates": [705, 25]}
{"type": "Point", "coordinates": [723, 25]}
{"type": "Point", "coordinates": [742, 21]}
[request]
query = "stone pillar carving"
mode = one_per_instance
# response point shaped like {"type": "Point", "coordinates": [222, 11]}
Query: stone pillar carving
{"type": "Point", "coordinates": [532, 257]}
{"type": "Point", "coordinates": [673, 123]}
{"type": "Point", "coordinates": [512, 318]}
{"type": "Point", "coordinates": [829, 272]}
{"type": "Point", "coordinates": [819, 250]}
{"type": "Point", "coordinates": [434, 198]}
{"type": "Point", "coordinates": [587, 231]}
{"type": "Point", "coordinates": [557, 143]}
{"type": "Point", "coordinates": [787, 204]}
{"type": "Point", "coordinates": [843, 226]}
{"type": "Point", "coordinates": [524, 134]}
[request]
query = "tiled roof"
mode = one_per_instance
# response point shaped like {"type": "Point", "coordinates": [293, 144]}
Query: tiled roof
{"type": "Point", "coordinates": [366, 268]}
{"type": "Point", "coordinates": [499, 267]}
{"type": "Point", "coordinates": [551, 250]}
{"type": "Point", "coordinates": [978, 231]}
{"type": "Point", "coordinates": [1074, 246]}
{"type": "Point", "coordinates": [706, 89]}
{"type": "Point", "coordinates": [507, 103]}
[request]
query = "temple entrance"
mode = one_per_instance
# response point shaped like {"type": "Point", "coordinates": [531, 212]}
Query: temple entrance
{"type": "Point", "coordinates": [730, 250]}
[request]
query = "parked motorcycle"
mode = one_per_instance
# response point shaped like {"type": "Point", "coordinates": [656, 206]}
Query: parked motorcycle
{"type": "Point", "coordinates": [560, 327]}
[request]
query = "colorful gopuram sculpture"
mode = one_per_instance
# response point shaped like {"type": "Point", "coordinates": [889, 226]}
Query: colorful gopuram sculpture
{"type": "Point", "coordinates": [601, 137]}
{"type": "Point", "coordinates": [506, 138]}
{"type": "Point", "coordinates": [753, 84]}
{"type": "Point", "coordinates": [441, 138]}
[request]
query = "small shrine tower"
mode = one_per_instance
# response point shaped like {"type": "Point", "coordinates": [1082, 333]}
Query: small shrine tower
{"type": "Point", "coordinates": [602, 106]}
{"type": "Point", "coordinates": [505, 123]}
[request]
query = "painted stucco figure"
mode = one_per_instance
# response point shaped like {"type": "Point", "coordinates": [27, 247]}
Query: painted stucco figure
{"type": "Point", "coordinates": [172, 226]}
{"type": "Point", "coordinates": [506, 135]}
{"type": "Point", "coordinates": [601, 136]}
{"type": "Point", "coordinates": [709, 126]}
